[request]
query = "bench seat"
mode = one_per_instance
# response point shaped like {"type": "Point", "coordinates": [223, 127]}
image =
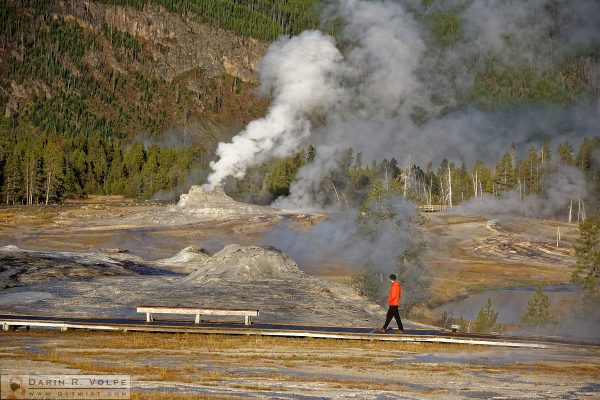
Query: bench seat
{"type": "Point", "coordinates": [198, 311]}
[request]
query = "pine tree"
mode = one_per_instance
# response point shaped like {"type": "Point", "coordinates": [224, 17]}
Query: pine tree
{"type": "Point", "coordinates": [486, 319]}
{"type": "Point", "coordinates": [376, 194]}
{"type": "Point", "coordinates": [545, 153]}
{"type": "Point", "coordinates": [532, 175]}
{"type": "Point", "coordinates": [587, 252]}
{"type": "Point", "coordinates": [505, 173]}
{"type": "Point", "coordinates": [584, 155]}
{"type": "Point", "coordinates": [310, 153]}
{"type": "Point", "coordinates": [281, 176]}
{"type": "Point", "coordinates": [53, 171]}
{"type": "Point", "coordinates": [13, 180]}
{"type": "Point", "coordinates": [537, 315]}
{"type": "Point", "coordinates": [565, 153]}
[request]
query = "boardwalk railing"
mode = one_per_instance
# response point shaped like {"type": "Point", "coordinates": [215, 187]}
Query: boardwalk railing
{"type": "Point", "coordinates": [430, 208]}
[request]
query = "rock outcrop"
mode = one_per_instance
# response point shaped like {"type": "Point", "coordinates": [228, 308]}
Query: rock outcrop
{"type": "Point", "coordinates": [184, 42]}
{"type": "Point", "coordinates": [20, 267]}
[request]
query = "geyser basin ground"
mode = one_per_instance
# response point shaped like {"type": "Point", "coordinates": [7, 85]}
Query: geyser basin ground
{"type": "Point", "coordinates": [234, 367]}
{"type": "Point", "coordinates": [224, 366]}
{"type": "Point", "coordinates": [465, 254]}
{"type": "Point", "coordinates": [114, 284]}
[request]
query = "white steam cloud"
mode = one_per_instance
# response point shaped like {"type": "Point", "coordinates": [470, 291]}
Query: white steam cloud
{"type": "Point", "coordinates": [566, 185]}
{"type": "Point", "coordinates": [393, 92]}
{"type": "Point", "coordinates": [302, 74]}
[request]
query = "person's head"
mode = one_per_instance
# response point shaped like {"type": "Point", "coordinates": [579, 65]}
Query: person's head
{"type": "Point", "coordinates": [392, 278]}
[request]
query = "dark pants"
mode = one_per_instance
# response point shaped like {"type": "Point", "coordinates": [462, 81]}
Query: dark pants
{"type": "Point", "coordinates": [393, 313]}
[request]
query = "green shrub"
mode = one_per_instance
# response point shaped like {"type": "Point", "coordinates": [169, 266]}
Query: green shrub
{"type": "Point", "coordinates": [486, 319]}
{"type": "Point", "coordinates": [537, 314]}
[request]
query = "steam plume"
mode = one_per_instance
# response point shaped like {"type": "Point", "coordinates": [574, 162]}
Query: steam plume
{"type": "Point", "coordinates": [395, 92]}
{"type": "Point", "coordinates": [302, 74]}
{"type": "Point", "coordinates": [565, 185]}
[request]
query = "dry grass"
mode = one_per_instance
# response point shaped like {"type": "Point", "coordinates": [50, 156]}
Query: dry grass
{"type": "Point", "coordinates": [110, 363]}
{"type": "Point", "coordinates": [207, 342]}
{"type": "Point", "coordinates": [266, 364]}
{"type": "Point", "coordinates": [178, 396]}
{"type": "Point", "coordinates": [355, 383]}
{"type": "Point", "coordinates": [582, 369]}
{"type": "Point", "coordinates": [124, 366]}
{"type": "Point", "coordinates": [469, 272]}
{"type": "Point", "coordinates": [188, 374]}
{"type": "Point", "coordinates": [475, 275]}
{"type": "Point", "coordinates": [125, 351]}
{"type": "Point", "coordinates": [23, 216]}
{"type": "Point", "coordinates": [139, 354]}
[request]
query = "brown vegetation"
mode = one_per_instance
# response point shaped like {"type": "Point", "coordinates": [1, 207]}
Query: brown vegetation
{"type": "Point", "coordinates": [192, 363]}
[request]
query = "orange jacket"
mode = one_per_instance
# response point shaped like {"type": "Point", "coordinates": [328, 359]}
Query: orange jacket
{"type": "Point", "coordinates": [394, 296]}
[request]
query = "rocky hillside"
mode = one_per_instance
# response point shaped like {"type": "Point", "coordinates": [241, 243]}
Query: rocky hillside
{"type": "Point", "coordinates": [129, 70]}
{"type": "Point", "coordinates": [127, 97]}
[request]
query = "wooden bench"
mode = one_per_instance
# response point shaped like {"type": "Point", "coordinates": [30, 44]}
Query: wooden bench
{"type": "Point", "coordinates": [149, 310]}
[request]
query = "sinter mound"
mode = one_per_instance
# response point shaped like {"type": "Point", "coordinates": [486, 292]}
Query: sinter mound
{"type": "Point", "coordinates": [215, 202]}
{"type": "Point", "coordinates": [236, 263]}
{"type": "Point", "coordinates": [187, 260]}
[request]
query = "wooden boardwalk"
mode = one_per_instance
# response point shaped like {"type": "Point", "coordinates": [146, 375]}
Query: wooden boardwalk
{"type": "Point", "coordinates": [431, 208]}
{"type": "Point", "coordinates": [14, 321]}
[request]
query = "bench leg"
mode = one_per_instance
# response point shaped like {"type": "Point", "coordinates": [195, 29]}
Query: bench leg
{"type": "Point", "coordinates": [149, 317]}
{"type": "Point", "coordinates": [197, 320]}
{"type": "Point", "coordinates": [248, 320]}
{"type": "Point", "coordinates": [9, 328]}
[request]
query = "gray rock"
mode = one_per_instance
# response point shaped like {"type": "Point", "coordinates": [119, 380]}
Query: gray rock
{"type": "Point", "coordinates": [112, 285]}
{"type": "Point", "coordinates": [20, 267]}
{"type": "Point", "coordinates": [235, 263]}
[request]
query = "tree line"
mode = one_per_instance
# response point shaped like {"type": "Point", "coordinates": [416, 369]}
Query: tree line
{"type": "Point", "coordinates": [49, 168]}
{"type": "Point", "coordinates": [446, 185]}
{"type": "Point", "coordinates": [260, 19]}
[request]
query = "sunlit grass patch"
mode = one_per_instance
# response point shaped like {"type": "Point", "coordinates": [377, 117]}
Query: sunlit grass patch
{"type": "Point", "coordinates": [220, 342]}
{"type": "Point", "coordinates": [179, 396]}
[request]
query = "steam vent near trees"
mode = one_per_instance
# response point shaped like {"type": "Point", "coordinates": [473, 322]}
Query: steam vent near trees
{"type": "Point", "coordinates": [300, 199]}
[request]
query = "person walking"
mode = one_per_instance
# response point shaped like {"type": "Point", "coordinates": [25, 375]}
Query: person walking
{"type": "Point", "coordinates": [393, 303]}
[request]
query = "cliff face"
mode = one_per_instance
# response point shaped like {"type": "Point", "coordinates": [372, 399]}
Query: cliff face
{"type": "Point", "coordinates": [175, 43]}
